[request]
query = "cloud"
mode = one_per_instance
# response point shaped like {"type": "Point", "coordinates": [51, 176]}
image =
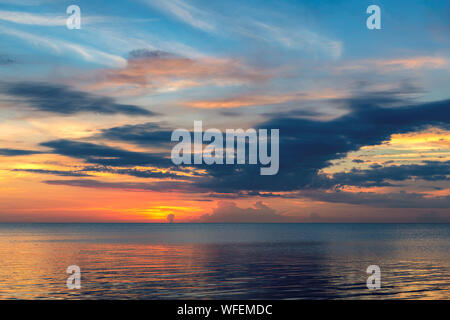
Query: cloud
{"type": "Point", "coordinates": [60, 46]}
{"type": "Point", "coordinates": [52, 20]}
{"type": "Point", "coordinates": [307, 146]}
{"type": "Point", "coordinates": [433, 217]}
{"type": "Point", "coordinates": [17, 152]}
{"type": "Point", "coordinates": [158, 70]}
{"type": "Point", "coordinates": [279, 33]}
{"type": "Point", "coordinates": [229, 212]}
{"type": "Point", "coordinates": [397, 64]}
{"type": "Point", "coordinates": [145, 134]}
{"type": "Point", "coordinates": [84, 172]}
{"type": "Point", "coordinates": [149, 54]}
{"type": "Point", "coordinates": [249, 100]}
{"type": "Point", "coordinates": [378, 176]}
{"type": "Point", "coordinates": [32, 19]}
{"type": "Point", "coordinates": [293, 37]}
{"type": "Point", "coordinates": [6, 60]}
{"type": "Point", "coordinates": [412, 63]}
{"type": "Point", "coordinates": [385, 200]}
{"type": "Point", "coordinates": [170, 218]}
{"type": "Point", "coordinates": [55, 172]}
{"type": "Point", "coordinates": [314, 218]}
{"type": "Point", "coordinates": [185, 12]}
{"type": "Point", "coordinates": [137, 173]}
{"type": "Point", "coordinates": [105, 155]}
{"type": "Point", "coordinates": [62, 99]}
{"type": "Point", "coordinates": [162, 186]}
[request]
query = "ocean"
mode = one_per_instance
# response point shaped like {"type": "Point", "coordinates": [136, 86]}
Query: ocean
{"type": "Point", "coordinates": [224, 261]}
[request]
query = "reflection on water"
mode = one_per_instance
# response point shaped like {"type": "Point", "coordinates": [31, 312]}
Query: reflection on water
{"type": "Point", "coordinates": [224, 261]}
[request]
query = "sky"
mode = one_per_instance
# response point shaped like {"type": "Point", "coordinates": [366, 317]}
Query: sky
{"type": "Point", "coordinates": [86, 115]}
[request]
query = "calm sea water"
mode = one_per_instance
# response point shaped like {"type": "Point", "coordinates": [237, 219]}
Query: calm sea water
{"type": "Point", "coordinates": [224, 261]}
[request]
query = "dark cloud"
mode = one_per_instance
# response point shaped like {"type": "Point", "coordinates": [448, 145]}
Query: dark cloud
{"type": "Point", "coordinates": [433, 217]}
{"type": "Point", "coordinates": [229, 212]}
{"type": "Point", "coordinates": [303, 113]}
{"type": "Point", "coordinates": [105, 155]}
{"type": "Point", "coordinates": [17, 152]}
{"type": "Point", "coordinates": [64, 100]}
{"type": "Point", "coordinates": [163, 186]}
{"type": "Point", "coordinates": [137, 173]}
{"type": "Point", "coordinates": [378, 175]}
{"type": "Point", "coordinates": [314, 217]}
{"type": "Point", "coordinates": [129, 172]}
{"type": "Point", "coordinates": [229, 113]}
{"type": "Point", "coordinates": [146, 54]}
{"type": "Point", "coordinates": [307, 146]}
{"type": "Point", "coordinates": [6, 60]}
{"type": "Point", "coordinates": [384, 200]}
{"type": "Point", "coordinates": [55, 172]}
{"type": "Point", "coordinates": [146, 134]}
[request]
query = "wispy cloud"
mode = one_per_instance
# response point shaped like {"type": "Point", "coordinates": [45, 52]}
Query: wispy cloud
{"type": "Point", "coordinates": [225, 23]}
{"type": "Point", "coordinates": [298, 38]}
{"type": "Point", "coordinates": [249, 100]}
{"type": "Point", "coordinates": [186, 12]}
{"type": "Point", "coordinates": [61, 46]}
{"type": "Point", "coordinates": [395, 64]}
{"type": "Point", "coordinates": [55, 20]}
{"type": "Point", "coordinates": [32, 19]}
{"type": "Point", "coordinates": [26, 2]}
